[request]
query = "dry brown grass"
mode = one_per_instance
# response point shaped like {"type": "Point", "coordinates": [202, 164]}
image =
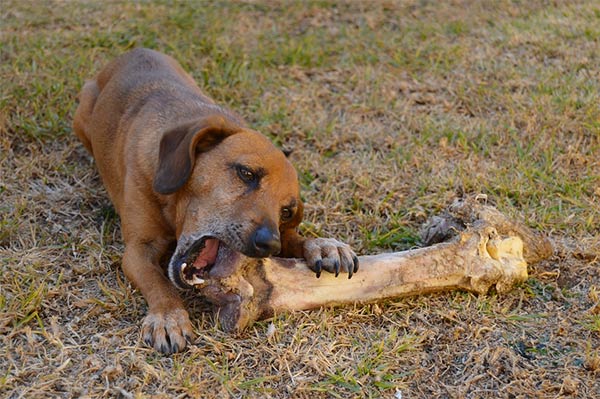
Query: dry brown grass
{"type": "Point", "coordinates": [392, 109]}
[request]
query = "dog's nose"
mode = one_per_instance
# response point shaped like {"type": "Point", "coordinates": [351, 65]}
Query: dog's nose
{"type": "Point", "coordinates": [266, 242]}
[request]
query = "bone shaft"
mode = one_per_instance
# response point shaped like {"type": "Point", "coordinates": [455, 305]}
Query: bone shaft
{"type": "Point", "coordinates": [475, 260]}
{"type": "Point", "coordinates": [295, 287]}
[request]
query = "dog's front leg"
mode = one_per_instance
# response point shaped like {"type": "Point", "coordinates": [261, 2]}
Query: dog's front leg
{"type": "Point", "coordinates": [167, 326]}
{"type": "Point", "coordinates": [320, 253]}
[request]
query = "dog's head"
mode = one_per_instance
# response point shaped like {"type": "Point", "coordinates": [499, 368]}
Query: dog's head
{"type": "Point", "coordinates": [234, 191]}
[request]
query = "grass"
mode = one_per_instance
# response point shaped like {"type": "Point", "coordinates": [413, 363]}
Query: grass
{"type": "Point", "coordinates": [391, 109]}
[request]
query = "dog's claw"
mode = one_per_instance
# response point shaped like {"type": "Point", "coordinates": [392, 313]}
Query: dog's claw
{"type": "Point", "coordinates": [354, 267]}
{"type": "Point", "coordinates": [336, 267]}
{"type": "Point", "coordinates": [164, 348]}
{"type": "Point", "coordinates": [318, 267]}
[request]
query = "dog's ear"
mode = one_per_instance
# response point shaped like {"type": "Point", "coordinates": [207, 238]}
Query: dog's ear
{"type": "Point", "coordinates": [179, 146]}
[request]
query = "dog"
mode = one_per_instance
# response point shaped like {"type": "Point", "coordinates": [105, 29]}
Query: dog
{"type": "Point", "coordinates": [183, 172]}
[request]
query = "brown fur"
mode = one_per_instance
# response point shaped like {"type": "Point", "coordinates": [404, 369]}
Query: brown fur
{"type": "Point", "coordinates": [170, 160]}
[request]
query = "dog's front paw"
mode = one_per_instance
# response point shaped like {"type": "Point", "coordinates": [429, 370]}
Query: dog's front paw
{"type": "Point", "coordinates": [330, 255]}
{"type": "Point", "coordinates": [167, 332]}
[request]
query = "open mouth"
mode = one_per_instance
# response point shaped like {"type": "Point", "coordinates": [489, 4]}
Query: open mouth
{"type": "Point", "coordinates": [194, 259]}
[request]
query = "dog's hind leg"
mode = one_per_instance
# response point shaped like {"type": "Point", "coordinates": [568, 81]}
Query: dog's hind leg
{"type": "Point", "coordinates": [87, 99]}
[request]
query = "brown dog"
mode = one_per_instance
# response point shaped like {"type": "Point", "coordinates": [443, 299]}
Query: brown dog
{"type": "Point", "coordinates": [181, 169]}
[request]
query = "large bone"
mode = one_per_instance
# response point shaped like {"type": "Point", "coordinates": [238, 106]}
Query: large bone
{"type": "Point", "coordinates": [476, 259]}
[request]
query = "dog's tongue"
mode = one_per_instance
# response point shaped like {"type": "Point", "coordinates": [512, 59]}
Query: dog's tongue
{"type": "Point", "coordinates": [208, 255]}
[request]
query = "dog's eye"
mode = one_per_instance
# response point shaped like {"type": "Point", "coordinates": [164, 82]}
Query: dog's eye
{"type": "Point", "coordinates": [246, 174]}
{"type": "Point", "coordinates": [286, 214]}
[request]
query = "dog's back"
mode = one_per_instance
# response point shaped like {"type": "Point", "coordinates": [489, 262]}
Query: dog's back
{"type": "Point", "coordinates": [140, 80]}
{"type": "Point", "coordinates": [136, 98]}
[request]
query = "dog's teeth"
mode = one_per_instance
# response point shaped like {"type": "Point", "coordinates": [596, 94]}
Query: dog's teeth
{"type": "Point", "coordinates": [197, 281]}
{"type": "Point", "coordinates": [183, 266]}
